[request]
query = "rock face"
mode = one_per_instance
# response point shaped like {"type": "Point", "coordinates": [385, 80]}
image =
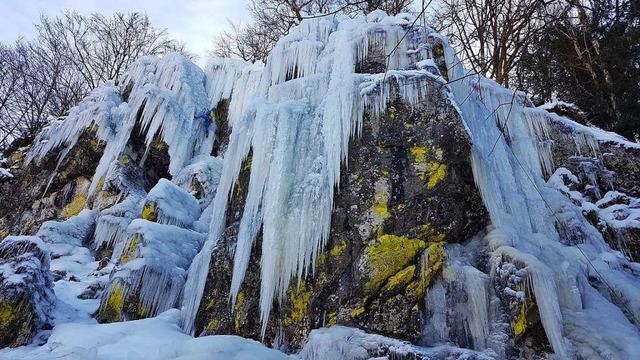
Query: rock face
{"type": "Point", "coordinates": [66, 191]}
{"type": "Point", "coordinates": [406, 191]}
{"type": "Point", "coordinates": [607, 176]}
{"type": "Point", "coordinates": [410, 252]}
{"type": "Point", "coordinates": [26, 289]}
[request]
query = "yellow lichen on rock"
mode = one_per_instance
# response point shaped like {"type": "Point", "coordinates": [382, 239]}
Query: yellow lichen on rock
{"type": "Point", "coordinates": [434, 259]}
{"type": "Point", "coordinates": [400, 279]}
{"type": "Point", "coordinates": [437, 172]}
{"type": "Point", "coordinates": [130, 247]}
{"type": "Point", "coordinates": [236, 309]}
{"type": "Point", "coordinates": [79, 199]}
{"type": "Point", "coordinates": [111, 309]}
{"type": "Point", "coordinates": [519, 324]}
{"type": "Point", "coordinates": [427, 233]}
{"type": "Point", "coordinates": [332, 319]}
{"type": "Point", "coordinates": [149, 211]}
{"type": "Point", "coordinates": [211, 327]}
{"type": "Point", "coordinates": [337, 250]}
{"type": "Point", "coordinates": [380, 198]}
{"type": "Point", "coordinates": [387, 256]}
{"type": "Point", "coordinates": [428, 164]}
{"type": "Point", "coordinates": [300, 298]}
{"type": "Point", "coordinates": [74, 207]}
{"type": "Point", "coordinates": [6, 314]}
{"type": "Point", "coordinates": [357, 311]}
{"type": "Point", "coordinates": [247, 163]}
{"type": "Point", "coordinates": [124, 159]}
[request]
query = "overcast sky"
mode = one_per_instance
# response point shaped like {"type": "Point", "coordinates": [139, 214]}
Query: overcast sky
{"type": "Point", "coordinates": [192, 21]}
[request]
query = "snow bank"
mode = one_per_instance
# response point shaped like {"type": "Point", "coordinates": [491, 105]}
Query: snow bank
{"type": "Point", "coordinates": [155, 338]}
{"type": "Point", "coordinates": [339, 342]}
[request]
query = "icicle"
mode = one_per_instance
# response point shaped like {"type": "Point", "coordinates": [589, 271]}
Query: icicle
{"type": "Point", "coordinates": [309, 104]}
{"type": "Point", "coordinates": [165, 92]}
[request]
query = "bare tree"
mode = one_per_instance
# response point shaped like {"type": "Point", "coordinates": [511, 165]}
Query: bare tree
{"type": "Point", "coordinates": [250, 43]}
{"type": "Point", "coordinates": [72, 55]}
{"type": "Point", "coordinates": [494, 33]}
{"type": "Point", "coordinates": [273, 19]}
{"type": "Point", "coordinates": [100, 48]}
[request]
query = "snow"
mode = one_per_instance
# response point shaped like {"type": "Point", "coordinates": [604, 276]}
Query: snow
{"type": "Point", "coordinates": [153, 260]}
{"type": "Point", "coordinates": [340, 342]}
{"type": "Point", "coordinates": [592, 132]}
{"type": "Point", "coordinates": [202, 170]}
{"type": "Point", "coordinates": [155, 338]}
{"type": "Point", "coordinates": [5, 174]}
{"type": "Point", "coordinates": [173, 205]}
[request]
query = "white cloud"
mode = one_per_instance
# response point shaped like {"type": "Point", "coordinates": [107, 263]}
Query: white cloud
{"type": "Point", "coordinates": [195, 22]}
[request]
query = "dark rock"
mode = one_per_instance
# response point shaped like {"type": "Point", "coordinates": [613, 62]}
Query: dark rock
{"type": "Point", "coordinates": [408, 186]}
{"type": "Point", "coordinates": [26, 289]}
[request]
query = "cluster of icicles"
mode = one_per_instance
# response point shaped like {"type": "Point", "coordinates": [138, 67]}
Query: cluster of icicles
{"type": "Point", "coordinates": [297, 115]}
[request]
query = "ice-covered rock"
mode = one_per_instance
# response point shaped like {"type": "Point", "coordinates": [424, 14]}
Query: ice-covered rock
{"type": "Point", "coordinates": [26, 294]}
{"type": "Point", "coordinates": [169, 204]}
{"type": "Point", "coordinates": [150, 270]}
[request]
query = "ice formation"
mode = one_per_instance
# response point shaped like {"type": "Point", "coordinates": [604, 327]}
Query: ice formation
{"type": "Point", "coordinates": [339, 342]}
{"type": "Point", "coordinates": [162, 97]}
{"type": "Point", "coordinates": [295, 115]}
{"type": "Point", "coordinates": [308, 106]}
{"type": "Point", "coordinates": [153, 261]}
{"type": "Point", "coordinates": [172, 205]}
{"type": "Point", "coordinates": [509, 167]}
{"type": "Point", "coordinates": [307, 140]}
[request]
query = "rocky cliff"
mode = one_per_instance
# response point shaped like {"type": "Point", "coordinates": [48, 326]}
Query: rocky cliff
{"type": "Point", "coordinates": [361, 195]}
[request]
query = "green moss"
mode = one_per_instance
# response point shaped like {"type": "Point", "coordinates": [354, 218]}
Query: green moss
{"type": "Point", "coordinates": [387, 256]}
